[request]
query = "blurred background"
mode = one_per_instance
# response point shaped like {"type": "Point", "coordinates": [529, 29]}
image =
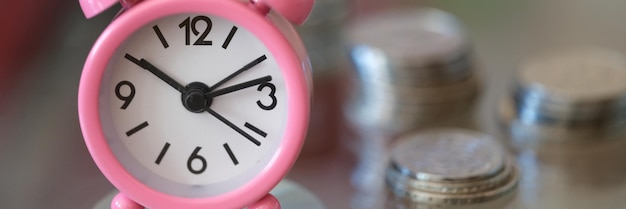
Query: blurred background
{"type": "Point", "coordinates": [45, 164]}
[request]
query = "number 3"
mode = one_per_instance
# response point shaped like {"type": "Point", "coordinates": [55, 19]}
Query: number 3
{"type": "Point", "coordinates": [272, 92]}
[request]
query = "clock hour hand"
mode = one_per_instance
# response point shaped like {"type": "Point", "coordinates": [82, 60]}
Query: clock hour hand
{"type": "Point", "coordinates": [154, 70]}
{"type": "Point", "coordinates": [241, 70]}
{"type": "Point", "coordinates": [233, 126]}
{"type": "Point", "coordinates": [240, 86]}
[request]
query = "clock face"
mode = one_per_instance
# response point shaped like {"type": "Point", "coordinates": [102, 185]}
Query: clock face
{"type": "Point", "coordinates": [193, 105]}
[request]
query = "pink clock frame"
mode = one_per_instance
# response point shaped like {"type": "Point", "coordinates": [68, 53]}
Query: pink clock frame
{"type": "Point", "coordinates": [253, 18]}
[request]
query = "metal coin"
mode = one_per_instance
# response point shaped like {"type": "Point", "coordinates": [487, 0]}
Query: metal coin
{"type": "Point", "coordinates": [535, 135]}
{"type": "Point", "coordinates": [445, 167]}
{"type": "Point", "coordinates": [371, 63]}
{"type": "Point", "coordinates": [412, 39]}
{"type": "Point", "coordinates": [397, 119]}
{"type": "Point", "coordinates": [586, 85]}
{"type": "Point", "coordinates": [395, 177]}
{"type": "Point", "coordinates": [417, 197]}
{"type": "Point", "coordinates": [462, 90]}
{"type": "Point", "coordinates": [447, 155]}
{"type": "Point", "coordinates": [414, 68]}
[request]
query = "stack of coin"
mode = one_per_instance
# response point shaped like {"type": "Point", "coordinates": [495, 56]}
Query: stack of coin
{"type": "Point", "coordinates": [322, 35]}
{"type": "Point", "coordinates": [573, 95]}
{"type": "Point", "coordinates": [565, 118]}
{"type": "Point", "coordinates": [413, 67]}
{"type": "Point", "coordinates": [448, 167]}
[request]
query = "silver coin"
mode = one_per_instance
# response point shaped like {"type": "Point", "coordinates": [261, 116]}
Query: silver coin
{"type": "Point", "coordinates": [408, 39]}
{"type": "Point", "coordinates": [417, 197]}
{"type": "Point", "coordinates": [585, 84]}
{"type": "Point", "coordinates": [414, 68]}
{"type": "Point", "coordinates": [462, 90]}
{"type": "Point", "coordinates": [372, 63]}
{"type": "Point", "coordinates": [550, 136]}
{"type": "Point", "coordinates": [396, 179]}
{"type": "Point", "coordinates": [397, 119]}
{"type": "Point", "coordinates": [447, 155]}
{"type": "Point", "coordinates": [410, 98]}
{"type": "Point", "coordinates": [416, 112]}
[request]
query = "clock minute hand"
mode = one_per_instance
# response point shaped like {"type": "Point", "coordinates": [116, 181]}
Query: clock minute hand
{"type": "Point", "coordinates": [233, 126]}
{"type": "Point", "coordinates": [241, 70]}
{"type": "Point", "coordinates": [238, 87]}
{"type": "Point", "coordinates": [156, 71]}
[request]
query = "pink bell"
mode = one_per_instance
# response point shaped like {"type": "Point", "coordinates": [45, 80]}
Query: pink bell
{"type": "Point", "coordinates": [92, 8]}
{"type": "Point", "coordinates": [296, 11]}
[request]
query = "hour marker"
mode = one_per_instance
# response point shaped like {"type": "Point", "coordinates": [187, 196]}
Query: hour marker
{"type": "Point", "coordinates": [229, 37]}
{"type": "Point", "coordinates": [160, 35]}
{"type": "Point", "coordinates": [163, 151]}
{"type": "Point", "coordinates": [255, 129]}
{"type": "Point", "coordinates": [137, 128]}
{"type": "Point", "coordinates": [230, 154]}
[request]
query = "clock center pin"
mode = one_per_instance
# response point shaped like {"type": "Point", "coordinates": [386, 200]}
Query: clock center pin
{"type": "Point", "coordinates": [194, 98]}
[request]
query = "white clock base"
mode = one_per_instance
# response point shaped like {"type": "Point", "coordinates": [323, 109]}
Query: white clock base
{"type": "Point", "coordinates": [291, 195]}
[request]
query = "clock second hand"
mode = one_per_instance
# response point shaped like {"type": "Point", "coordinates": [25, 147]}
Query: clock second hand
{"type": "Point", "coordinates": [233, 126]}
{"type": "Point", "coordinates": [239, 86]}
{"type": "Point", "coordinates": [241, 70]}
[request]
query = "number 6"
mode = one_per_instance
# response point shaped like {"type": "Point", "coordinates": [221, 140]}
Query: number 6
{"type": "Point", "coordinates": [195, 156]}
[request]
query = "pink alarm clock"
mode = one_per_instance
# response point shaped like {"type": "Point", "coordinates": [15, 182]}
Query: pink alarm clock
{"type": "Point", "coordinates": [196, 103]}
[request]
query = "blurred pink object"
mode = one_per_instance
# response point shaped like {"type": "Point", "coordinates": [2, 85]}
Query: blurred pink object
{"type": "Point", "coordinates": [93, 7]}
{"type": "Point", "coordinates": [296, 11]}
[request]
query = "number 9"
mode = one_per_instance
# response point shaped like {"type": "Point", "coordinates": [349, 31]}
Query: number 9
{"type": "Point", "coordinates": [126, 99]}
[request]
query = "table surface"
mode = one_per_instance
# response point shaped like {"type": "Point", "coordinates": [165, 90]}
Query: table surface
{"type": "Point", "coordinates": [45, 163]}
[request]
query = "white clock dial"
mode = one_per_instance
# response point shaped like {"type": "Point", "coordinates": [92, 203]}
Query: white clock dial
{"type": "Point", "coordinates": [193, 105]}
